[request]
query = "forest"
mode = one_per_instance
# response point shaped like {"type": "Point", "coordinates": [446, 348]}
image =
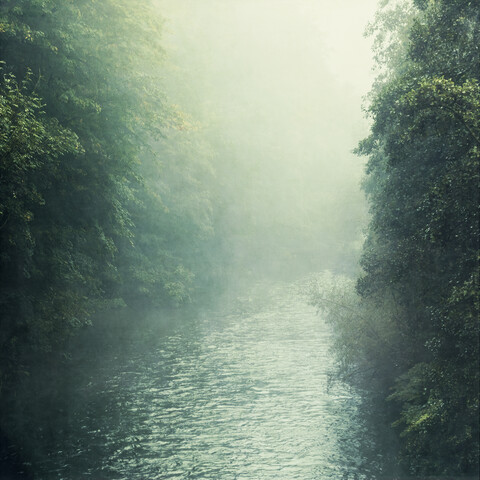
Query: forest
{"type": "Point", "coordinates": [94, 215]}
{"type": "Point", "coordinates": [409, 324]}
{"type": "Point", "coordinates": [118, 194]}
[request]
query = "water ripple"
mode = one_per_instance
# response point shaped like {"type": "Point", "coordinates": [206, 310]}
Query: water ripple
{"type": "Point", "coordinates": [231, 396]}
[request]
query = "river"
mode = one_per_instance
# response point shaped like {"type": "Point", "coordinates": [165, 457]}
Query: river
{"type": "Point", "coordinates": [242, 391]}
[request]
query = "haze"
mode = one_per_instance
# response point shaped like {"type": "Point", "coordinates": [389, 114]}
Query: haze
{"type": "Point", "coordinates": [277, 87]}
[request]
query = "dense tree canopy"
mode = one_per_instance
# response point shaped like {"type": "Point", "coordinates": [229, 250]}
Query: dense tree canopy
{"type": "Point", "coordinates": [105, 197]}
{"type": "Point", "coordinates": [417, 320]}
{"type": "Point", "coordinates": [95, 209]}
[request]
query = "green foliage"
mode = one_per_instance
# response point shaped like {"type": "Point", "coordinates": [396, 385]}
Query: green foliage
{"type": "Point", "coordinates": [33, 148]}
{"type": "Point", "coordinates": [103, 199]}
{"type": "Point", "coordinates": [367, 341]}
{"type": "Point", "coordinates": [419, 286]}
{"type": "Point", "coordinates": [103, 190]}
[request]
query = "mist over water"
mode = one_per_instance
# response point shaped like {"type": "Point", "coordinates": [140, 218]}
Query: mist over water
{"type": "Point", "coordinates": [192, 285]}
{"type": "Point", "coordinates": [268, 95]}
{"type": "Point", "coordinates": [240, 391]}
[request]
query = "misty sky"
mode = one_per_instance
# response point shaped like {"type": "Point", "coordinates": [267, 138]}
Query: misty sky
{"type": "Point", "coordinates": [281, 82]}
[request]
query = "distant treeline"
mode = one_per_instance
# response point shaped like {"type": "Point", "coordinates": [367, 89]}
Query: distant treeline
{"type": "Point", "coordinates": [412, 327]}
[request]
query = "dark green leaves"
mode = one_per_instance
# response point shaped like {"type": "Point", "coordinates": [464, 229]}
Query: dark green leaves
{"type": "Point", "coordinates": [422, 247]}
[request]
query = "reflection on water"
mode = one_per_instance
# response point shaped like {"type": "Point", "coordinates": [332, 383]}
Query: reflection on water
{"type": "Point", "coordinates": [242, 393]}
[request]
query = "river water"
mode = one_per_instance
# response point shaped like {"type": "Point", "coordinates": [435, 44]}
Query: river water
{"type": "Point", "coordinates": [237, 392]}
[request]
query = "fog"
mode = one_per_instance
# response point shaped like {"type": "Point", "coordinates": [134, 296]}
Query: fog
{"type": "Point", "coordinates": [277, 88]}
{"type": "Point", "coordinates": [181, 226]}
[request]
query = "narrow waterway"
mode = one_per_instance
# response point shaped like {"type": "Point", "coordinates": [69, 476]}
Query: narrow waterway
{"type": "Point", "coordinates": [239, 392]}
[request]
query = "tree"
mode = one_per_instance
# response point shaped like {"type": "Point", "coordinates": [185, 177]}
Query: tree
{"type": "Point", "coordinates": [421, 251]}
{"type": "Point", "coordinates": [33, 148]}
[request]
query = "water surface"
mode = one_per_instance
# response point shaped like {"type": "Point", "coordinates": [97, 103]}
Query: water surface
{"type": "Point", "coordinates": [238, 392]}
